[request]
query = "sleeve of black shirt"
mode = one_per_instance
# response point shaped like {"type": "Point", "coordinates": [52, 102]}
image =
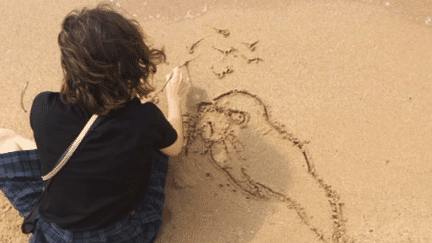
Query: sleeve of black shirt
{"type": "Point", "coordinates": [164, 134]}
{"type": "Point", "coordinates": [38, 110]}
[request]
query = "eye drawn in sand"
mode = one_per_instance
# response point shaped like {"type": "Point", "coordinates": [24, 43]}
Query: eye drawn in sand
{"type": "Point", "coordinates": [242, 142]}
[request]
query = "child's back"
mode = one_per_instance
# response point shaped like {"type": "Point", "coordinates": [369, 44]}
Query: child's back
{"type": "Point", "coordinates": [111, 189]}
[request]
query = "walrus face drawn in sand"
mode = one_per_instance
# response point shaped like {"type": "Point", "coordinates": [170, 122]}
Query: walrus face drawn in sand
{"type": "Point", "coordinates": [220, 125]}
{"type": "Point", "coordinates": [232, 125]}
{"type": "Point", "coordinates": [234, 128]}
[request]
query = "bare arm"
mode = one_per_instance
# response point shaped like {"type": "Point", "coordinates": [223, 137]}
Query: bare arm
{"type": "Point", "coordinates": [176, 89]}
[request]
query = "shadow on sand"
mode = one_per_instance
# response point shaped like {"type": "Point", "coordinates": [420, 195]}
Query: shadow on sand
{"type": "Point", "coordinates": [237, 167]}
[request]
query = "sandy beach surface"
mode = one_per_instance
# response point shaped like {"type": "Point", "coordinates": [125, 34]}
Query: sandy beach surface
{"type": "Point", "coordinates": [308, 121]}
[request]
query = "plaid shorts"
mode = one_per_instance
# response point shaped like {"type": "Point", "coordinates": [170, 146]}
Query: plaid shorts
{"type": "Point", "coordinates": [21, 183]}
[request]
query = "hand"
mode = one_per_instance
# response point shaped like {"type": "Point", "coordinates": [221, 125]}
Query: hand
{"type": "Point", "coordinates": [178, 84]}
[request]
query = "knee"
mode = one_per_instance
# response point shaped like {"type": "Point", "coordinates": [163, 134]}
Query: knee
{"type": "Point", "coordinates": [8, 145]}
{"type": "Point", "coordinates": [7, 141]}
{"type": "Point", "coordinates": [11, 140]}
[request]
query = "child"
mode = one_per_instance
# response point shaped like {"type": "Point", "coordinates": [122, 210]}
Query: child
{"type": "Point", "coordinates": [111, 189]}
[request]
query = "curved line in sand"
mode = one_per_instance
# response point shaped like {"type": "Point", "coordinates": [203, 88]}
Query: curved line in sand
{"type": "Point", "coordinates": [259, 190]}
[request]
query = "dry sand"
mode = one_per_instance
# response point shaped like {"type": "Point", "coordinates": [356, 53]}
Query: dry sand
{"type": "Point", "coordinates": [323, 130]}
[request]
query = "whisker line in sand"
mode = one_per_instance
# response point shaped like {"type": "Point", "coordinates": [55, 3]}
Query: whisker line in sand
{"type": "Point", "coordinates": [252, 60]}
{"type": "Point", "coordinates": [194, 45]}
{"type": "Point", "coordinates": [22, 96]}
{"type": "Point", "coordinates": [227, 51]}
{"type": "Point", "coordinates": [251, 46]}
{"type": "Point", "coordinates": [224, 32]}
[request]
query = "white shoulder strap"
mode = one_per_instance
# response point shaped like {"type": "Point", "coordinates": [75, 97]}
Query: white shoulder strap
{"type": "Point", "coordinates": [71, 149]}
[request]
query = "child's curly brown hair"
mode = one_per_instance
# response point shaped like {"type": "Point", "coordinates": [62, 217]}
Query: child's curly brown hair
{"type": "Point", "coordinates": [105, 60]}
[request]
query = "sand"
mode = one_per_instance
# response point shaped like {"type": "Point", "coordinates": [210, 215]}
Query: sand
{"type": "Point", "coordinates": [309, 122]}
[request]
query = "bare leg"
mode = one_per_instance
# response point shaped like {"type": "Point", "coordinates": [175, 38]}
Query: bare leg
{"type": "Point", "coordinates": [10, 142]}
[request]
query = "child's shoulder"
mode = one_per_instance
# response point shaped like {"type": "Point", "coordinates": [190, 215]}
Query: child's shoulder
{"type": "Point", "coordinates": [149, 109]}
{"type": "Point", "coordinates": [45, 99]}
{"type": "Point", "coordinates": [146, 105]}
{"type": "Point", "coordinates": [47, 95]}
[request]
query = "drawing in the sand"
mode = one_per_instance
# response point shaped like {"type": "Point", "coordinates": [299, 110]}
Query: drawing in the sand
{"type": "Point", "coordinates": [236, 133]}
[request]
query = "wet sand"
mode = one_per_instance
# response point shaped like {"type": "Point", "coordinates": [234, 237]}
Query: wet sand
{"type": "Point", "coordinates": [309, 122]}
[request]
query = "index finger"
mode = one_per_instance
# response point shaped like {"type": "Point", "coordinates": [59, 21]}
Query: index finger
{"type": "Point", "coordinates": [185, 72]}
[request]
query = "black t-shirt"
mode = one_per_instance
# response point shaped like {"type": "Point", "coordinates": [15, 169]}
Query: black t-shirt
{"type": "Point", "coordinates": [107, 175]}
